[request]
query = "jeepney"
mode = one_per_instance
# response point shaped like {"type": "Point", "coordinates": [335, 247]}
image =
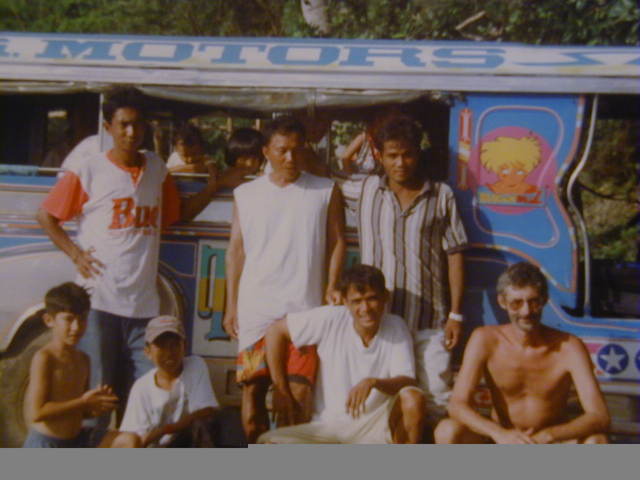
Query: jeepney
{"type": "Point", "coordinates": [467, 95]}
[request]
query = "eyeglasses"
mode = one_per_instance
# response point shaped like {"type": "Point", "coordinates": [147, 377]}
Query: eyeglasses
{"type": "Point", "coordinates": [533, 303]}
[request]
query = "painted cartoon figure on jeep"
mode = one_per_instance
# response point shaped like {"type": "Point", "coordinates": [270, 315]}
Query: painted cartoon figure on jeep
{"type": "Point", "coordinates": [512, 160]}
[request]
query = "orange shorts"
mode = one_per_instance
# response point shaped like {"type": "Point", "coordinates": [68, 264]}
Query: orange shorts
{"type": "Point", "coordinates": [302, 364]}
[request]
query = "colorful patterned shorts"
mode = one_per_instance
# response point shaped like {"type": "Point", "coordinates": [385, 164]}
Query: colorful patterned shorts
{"type": "Point", "coordinates": [302, 364]}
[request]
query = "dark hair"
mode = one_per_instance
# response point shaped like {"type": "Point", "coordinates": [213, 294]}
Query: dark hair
{"type": "Point", "coordinates": [520, 275]}
{"type": "Point", "coordinates": [285, 125]}
{"type": "Point", "coordinates": [122, 97]}
{"type": "Point", "coordinates": [68, 297]}
{"type": "Point", "coordinates": [189, 134]}
{"type": "Point", "coordinates": [244, 142]}
{"type": "Point", "coordinates": [360, 277]}
{"type": "Point", "coordinates": [399, 128]}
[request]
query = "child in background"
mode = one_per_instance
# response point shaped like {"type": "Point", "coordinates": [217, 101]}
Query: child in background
{"type": "Point", "coordinates": [316, 126]}
{"type": "Point", "coordinates": [244, 150]}
{"type": "Point", "coordinates": [175, 399]}
{"type": "Point", "coordinates": [358, 157]}
{"type": "Point", "coordinates": [57, 396]}
{"type": "Point", "coordinates": [243, 155]}
{"type": "Point", "coordinates": [188, 155]}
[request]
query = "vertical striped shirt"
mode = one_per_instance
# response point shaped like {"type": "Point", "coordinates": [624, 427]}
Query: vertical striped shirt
{"type": "Point", "coordinates": [409, 246]}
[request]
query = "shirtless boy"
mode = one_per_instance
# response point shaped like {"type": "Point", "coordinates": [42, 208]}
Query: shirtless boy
{"type": "Point", "coordinates": [58, 397]}
{"type": "Point", "coordinates": [529, 369]}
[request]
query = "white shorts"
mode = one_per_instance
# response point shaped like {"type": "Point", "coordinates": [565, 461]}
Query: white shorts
{"type": "Point", "coordinates": [370, 428]}
{"type": "Point", "coordinates": [433, 371]}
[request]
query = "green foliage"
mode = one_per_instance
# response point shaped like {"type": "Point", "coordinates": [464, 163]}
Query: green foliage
{"type": "Point", "coordinates": [611, 212]}
{"type": "Point", "coordinates": [151, 17]}
{"type": "Point", "coordinates": [602, 22]}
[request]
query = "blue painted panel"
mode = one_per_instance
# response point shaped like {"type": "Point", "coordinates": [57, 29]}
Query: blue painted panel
{"type": "Point", "coordinates": [510, 154]}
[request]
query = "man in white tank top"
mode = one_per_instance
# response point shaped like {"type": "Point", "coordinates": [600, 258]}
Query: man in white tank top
{"type": "Point", "coordinates": [287, 231]}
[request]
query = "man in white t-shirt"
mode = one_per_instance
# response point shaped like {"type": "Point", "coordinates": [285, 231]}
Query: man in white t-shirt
{"type": "Point", "coordinates": [366, 389]}
{"type": "Point", "coordinates": [285, 255]}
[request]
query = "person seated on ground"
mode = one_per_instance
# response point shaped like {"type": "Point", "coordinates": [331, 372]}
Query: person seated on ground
{"type": "Point", "coordinates": [244, 150]}
{"type": "Point", "coordinates": [366, 390]}
{"type": "Point", "coordinates": [57, 397]}
{"type": "Point", "coordinates": [529, 369]}
{"type": "Point", "coordinates": [172, 404]}
{"type": "Point", "coordinates": [188, 155]}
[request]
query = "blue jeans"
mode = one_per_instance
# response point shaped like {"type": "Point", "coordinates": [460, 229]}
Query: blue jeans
{"type": "Point", "coordinates": [115, 346]}
{"type": "Point", "coordinates": [87, 438]}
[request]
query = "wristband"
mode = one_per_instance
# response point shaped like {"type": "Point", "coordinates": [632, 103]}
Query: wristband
{"type": "Point", "coordinates": [456, 317]}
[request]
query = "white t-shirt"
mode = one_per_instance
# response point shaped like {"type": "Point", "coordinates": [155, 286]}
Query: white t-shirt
{"type": "Point", "coordinates": [345, 361]}
{"type": "Point", "coordinates": [150, 406]}
{"type": "Point", "coordinates": [88, 146]}
{"type": "Point", "coordinates": [284, 239]}
{"type": "Point", "coordinates": [175, 160]}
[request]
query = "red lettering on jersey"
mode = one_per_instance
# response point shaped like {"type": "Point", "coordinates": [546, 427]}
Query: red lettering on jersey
{"type": "Point", "coordinates": [152, 219]}
{"type": "Point", "coordinates": [122, 213]}
{"type": "Point", "coordinates": [140, 216]}
{"type": "Point", "coordinates": [146, 217]}
{"type": "Point", "coordinates": [126, 214]}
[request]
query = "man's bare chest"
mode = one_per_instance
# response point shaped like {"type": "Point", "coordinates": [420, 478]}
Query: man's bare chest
{"type": "Point", "coordinates": [518, 374]}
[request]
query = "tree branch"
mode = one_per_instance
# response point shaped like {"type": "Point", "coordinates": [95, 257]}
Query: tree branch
{"type": "Point", "coordinates": [607, 197]}
{"type": "Point", "coordinates": [470, 20]}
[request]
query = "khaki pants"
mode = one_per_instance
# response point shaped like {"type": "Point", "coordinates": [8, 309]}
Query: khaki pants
{"type": "Point", "coordinates": [370, 428]}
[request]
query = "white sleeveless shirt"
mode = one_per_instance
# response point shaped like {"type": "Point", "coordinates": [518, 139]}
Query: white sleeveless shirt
{"type": "Point", "coordinates": [284, 238]}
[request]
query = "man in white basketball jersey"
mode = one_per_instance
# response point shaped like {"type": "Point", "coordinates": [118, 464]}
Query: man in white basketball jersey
{"type": "Point", "coordinates": [285, 255]}
{"type": "Point", "coordinates": [120, 199]}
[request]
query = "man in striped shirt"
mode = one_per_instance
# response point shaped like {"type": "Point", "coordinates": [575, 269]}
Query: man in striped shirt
{"type": "Point", "coordinates": [409, 227]}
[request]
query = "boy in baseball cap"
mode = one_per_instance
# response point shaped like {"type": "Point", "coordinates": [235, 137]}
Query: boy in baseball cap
{"type": "Point", "coordinates": [170, 401]}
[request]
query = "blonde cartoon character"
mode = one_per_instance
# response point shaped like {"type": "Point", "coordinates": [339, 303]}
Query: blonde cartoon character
{"type": "Point", "coordinates": [511, 159]}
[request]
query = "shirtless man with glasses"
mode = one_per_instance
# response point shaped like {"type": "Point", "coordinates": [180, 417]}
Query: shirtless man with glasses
{"type": "Point", "coordinates": [529, 369]}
